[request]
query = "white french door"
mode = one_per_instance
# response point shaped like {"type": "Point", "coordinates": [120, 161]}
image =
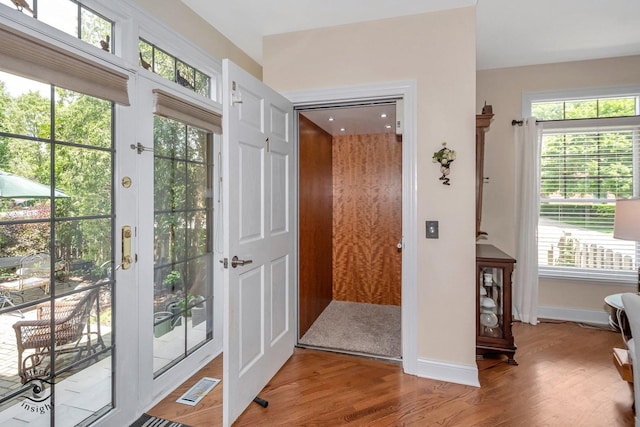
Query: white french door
{"type": "Point", "coordinates": [174, 310]}
{"type": "Point", "coordinates": [259, 236]}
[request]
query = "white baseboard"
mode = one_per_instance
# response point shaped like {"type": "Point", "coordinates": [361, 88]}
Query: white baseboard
{"type": "Point", "coordinates": [599, 317]}
{"type": "Point", "coordinates": [468, 374]}
{"type": "Point", "coordinates": [449, 372]}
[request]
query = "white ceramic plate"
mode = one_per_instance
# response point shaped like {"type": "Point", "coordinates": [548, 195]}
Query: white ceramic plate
{"type": "Point", "coordinates": [490, 320]}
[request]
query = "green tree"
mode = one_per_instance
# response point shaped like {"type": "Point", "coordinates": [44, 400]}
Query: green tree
{"type": "Point", "coordinates": [576, 165]}
{"type": "Point", "coordinates": [180, 176]}
{"type": "Point", "coordinates": [5, 100]}
{"type": "Point", "coordinates": [29, 115]}
{"type": "Point", "coordinates": [83, 163]}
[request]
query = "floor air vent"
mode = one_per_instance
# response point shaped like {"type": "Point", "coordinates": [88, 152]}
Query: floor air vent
{"type": "Point", "coordinates": [198, 391]}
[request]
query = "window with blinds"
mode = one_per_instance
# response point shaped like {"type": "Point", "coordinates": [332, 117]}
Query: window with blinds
{"type": "Point", "coordinates": [589, 158]}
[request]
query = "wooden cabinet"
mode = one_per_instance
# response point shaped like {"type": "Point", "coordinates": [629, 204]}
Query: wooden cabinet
{"type": "Point", "coordinates": [483, 121]}
{"type": "Point", "coordinates": [493, 301]}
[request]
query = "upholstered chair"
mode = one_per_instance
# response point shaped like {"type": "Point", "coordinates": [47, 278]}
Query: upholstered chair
{"type": "Point", "coordinates": [631, 303]}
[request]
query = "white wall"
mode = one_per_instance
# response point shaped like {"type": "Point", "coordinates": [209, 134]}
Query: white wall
{"type": "Point", "coordinates": [437, 50]}
{"type": "Point", "coordinates": [503, 88]}
{"type": "Point", "coordinates": [180, 18]}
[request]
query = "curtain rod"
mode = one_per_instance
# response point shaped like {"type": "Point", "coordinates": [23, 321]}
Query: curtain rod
{"type": "Point", "coordinates": [515, 122]}
{"type": "Point", "coordinates": [595, 120]}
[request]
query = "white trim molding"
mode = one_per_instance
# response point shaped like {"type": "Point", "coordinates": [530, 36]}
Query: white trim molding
{"type": "Point", "coordinates": [406, 90]}
{"type": "Point", "coordinates": [449, 372]}
{"type": "Point", "coordinates": [580, 315]}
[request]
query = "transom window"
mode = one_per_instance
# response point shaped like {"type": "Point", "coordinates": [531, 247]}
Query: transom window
{"type": "Point", "coordinates": [589, 158]}
{"type": "Point", "coordinates": [585, 108]}
{"type": "Point", "coordinates": [71, 17]}
{"type": "Point", "coordinates": [171, 68]}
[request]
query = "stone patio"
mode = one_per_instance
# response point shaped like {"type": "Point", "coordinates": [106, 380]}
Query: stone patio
{"type": "Point", "coordinates": [9, 378]}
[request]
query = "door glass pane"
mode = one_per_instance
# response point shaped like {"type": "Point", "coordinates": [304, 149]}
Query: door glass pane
{"type": "Point", "coordinates": [56, 255]}
{"type": "Point", "coordinates": [183, 276]}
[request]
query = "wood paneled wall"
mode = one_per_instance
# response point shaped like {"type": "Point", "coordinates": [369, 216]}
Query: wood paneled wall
{"type": "Point", "coordinates": [367, 218]}
{"type": "Point", "coordinates": [316, 222]}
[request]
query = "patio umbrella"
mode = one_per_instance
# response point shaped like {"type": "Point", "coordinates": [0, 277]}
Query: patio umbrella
{"type": "Point", "coordinates": [18, 187]}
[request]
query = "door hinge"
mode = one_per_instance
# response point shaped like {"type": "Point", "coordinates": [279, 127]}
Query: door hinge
{"type": "Point", "coordinates": [236, 98]}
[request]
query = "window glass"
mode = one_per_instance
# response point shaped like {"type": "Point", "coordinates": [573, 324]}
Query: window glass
{"type": "Point", "coordinates": [585, 108]}
{"type": "Point", "coordinates": [95, 30]}
{"type": "Point", "coordinates": [72, 18]}
{"type": "Point", "coordinates": [171, 68]}
{"type": "Point", "coordinates": [182, 255]}
{"type": "Point", "coordinates": [617, 107]}
{"type": "Point", "coordinates": [582, 109]}
{"type": "Point", "coordinates": [82, 118]}
{"type": "Point", "coordinates": [164, 64]}
{"type": "Point", "coordinates": [145, 54]}
{"type": "Point", "coordinates": [60, 14]}
{"type": "Point", "coordinates": [548, 110]}
{"type": "Point", "coordinates": [56, 251]}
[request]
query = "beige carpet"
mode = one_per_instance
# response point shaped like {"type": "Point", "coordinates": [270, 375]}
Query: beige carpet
{"type": "Point", "coordinates": [357, 327]}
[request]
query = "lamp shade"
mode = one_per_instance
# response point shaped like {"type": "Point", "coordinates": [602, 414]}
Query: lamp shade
{"type": "Point", "coordinates": [627, 220]}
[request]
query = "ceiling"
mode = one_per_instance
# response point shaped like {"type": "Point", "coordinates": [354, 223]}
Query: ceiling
{"type": "Point", "coordinates": [367, 119]}
{"type": "Point", "coordinates": [509, 32]}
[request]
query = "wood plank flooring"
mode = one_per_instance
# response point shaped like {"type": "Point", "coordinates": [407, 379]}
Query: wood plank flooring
{"type": "Point", "coordinates": [208, 412]}
{"type": "Point", "coordinates": [565, 377]}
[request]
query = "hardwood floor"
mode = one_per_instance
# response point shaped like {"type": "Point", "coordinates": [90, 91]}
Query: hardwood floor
{"type": "Point", "coordinates": [565, 377]}
{"type": "Point", "coordinates": [208, 412]}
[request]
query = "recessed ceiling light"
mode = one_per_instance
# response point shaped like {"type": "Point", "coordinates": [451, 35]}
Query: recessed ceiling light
{"type": "Point", "coordinates": [330, 119]}
{"type": "Point", "coordinates": [383, 115]}
{"type": "Point", "coordinates": [388, 126]}
{"type": "Point", "coordinates": [342, 129]}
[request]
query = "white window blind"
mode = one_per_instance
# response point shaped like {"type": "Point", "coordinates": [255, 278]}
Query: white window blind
{"type": "Point", "coordinates": [28, 56]}
{"type": "Point", "coordinates": [168, 105]}
{"type": "Point", "coordinates": [585, 166]}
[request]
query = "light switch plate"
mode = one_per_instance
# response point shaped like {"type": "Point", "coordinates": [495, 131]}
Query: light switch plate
{"type": "Point", "coordinates": [432, 229]}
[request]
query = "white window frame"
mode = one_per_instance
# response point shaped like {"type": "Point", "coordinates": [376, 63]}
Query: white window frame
{"type": "Point", "coordinates": [584, 275]}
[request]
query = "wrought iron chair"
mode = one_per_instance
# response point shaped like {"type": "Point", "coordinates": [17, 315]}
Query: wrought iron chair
{"type": "Point", "coordinates": [34, 272]}
{"type": "Point", "coordinates": [64, 332]}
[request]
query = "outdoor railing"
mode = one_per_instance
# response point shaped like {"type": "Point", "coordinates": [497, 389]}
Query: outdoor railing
{"type": "Point", "coordinates": [569, 251]}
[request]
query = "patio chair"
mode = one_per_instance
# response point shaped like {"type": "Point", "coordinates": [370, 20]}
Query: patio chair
{"type": "Point", "coordinates": [6, 299]}
{"type": "Point", "coordinates": [70, 326]}
{"type": "Point", "coordinates": [34, 272]}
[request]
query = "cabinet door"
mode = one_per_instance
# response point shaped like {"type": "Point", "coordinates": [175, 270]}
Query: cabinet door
{"type": "Point", "coordinates": [491, 302]}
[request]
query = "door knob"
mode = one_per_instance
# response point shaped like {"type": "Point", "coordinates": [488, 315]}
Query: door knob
{"type": "Point", "coordinates": [235, 261]}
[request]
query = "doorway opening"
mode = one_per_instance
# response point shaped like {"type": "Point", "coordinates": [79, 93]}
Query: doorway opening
{"type": "Point", "coordinates": [350, 228]}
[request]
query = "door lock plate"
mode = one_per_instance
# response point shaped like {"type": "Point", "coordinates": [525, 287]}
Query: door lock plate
{"type": "Point", "coordinates": [126, 247]}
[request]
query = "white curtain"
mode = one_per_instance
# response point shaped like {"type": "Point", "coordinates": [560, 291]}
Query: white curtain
{"type": "Point", "coordinates": [528, 140]}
